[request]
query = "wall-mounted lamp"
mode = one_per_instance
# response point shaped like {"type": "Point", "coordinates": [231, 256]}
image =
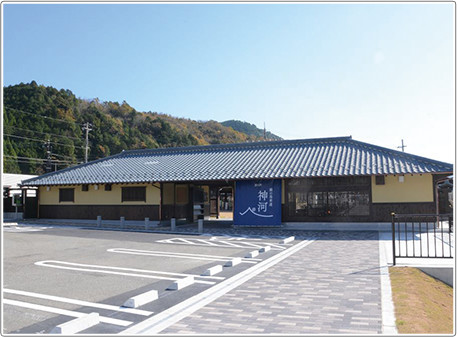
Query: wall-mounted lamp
{"type": "Point", "coordinates": [401, 179]}
{"type": "Point", "coordinates": [96, 187]}
{"type": "Point", "coordinates": [48, 188]}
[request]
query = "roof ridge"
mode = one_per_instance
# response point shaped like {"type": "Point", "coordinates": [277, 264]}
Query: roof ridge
{"type": "Point", "coordinates": [49, 174]}
{"type": "Point", "coordinates": [256, 160]}
{"type": "Point", "coordinates": [209, 147]}
{"type": "Point", "coordinates": [401, 153]}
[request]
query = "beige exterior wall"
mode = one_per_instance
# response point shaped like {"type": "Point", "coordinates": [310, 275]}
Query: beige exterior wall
{"type": "Point", "coordinates": [100, 196]}
{"type": "Point", "coordinates": [415, 188]}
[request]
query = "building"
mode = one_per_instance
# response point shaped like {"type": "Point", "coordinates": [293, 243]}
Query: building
{"type": "Point", "coordinates": [14, 195]}
{"type": "Point", "coordinates": [262, 183]}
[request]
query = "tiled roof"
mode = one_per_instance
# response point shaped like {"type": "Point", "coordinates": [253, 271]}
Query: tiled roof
{"type": "Point", "coordinates": [13, 180]}
{"type": "Point", "coordinates": [341, 156]}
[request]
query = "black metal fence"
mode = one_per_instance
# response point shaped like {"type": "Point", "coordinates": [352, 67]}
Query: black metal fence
{"type": "Point", "coordinates": [422, 236]}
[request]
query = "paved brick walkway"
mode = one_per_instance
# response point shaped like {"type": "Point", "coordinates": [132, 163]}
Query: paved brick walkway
{"type": "Point", "coordinates": [330, 286]}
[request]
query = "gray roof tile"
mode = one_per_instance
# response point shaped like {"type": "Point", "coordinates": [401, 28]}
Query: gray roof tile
{"type": "Point", "coordinates": [261, 160]}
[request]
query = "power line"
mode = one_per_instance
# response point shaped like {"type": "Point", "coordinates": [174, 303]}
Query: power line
{"type": "Point", "coordinates": [62, 156]}
{"type": "Point", "coordinates": [23, 161]}
{"type": "Point", "coordinates": [55, 154]}
{"type": "Point", "coordinates": [43, 133]}
{"type": "Point", "coordinates": [46, 117]}
{"type": "Point", "coordinates": [41, 140]}
{"type": "Point", "coordinates": [37, 159]}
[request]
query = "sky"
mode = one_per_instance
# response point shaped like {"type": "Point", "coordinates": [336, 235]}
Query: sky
{"type": "Point", "coordinates": [379, 72]}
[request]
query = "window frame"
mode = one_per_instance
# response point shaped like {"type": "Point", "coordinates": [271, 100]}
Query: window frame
{"type": "Point", "coordinates": [342, 197]}
{"type": "Point", "coordinates": [380, 180]}
{"type": "Point", "coordinates": [133, 194]}
{"type": "Point", "coordinates": [62, 196]}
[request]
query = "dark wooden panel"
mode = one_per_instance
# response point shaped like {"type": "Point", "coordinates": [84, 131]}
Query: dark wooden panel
{"type": "Point", "coordinates": [31, 208]}
{"type": "Point", "coordinates": [8, 205]}
{"type": "Point", "coordinates": [378, 213]}
{"type": "Point", "coordinates": [326, 218]}
{"type": "Point", "coordinates": [172, 211]}
{"type": "Point", "coordinates": [108, 212]}
{"type": "Point", "coordinates": [381, 212]}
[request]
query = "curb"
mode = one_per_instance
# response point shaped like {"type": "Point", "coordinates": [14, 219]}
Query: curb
{"type": "Point", "coordinates": [77, 324]}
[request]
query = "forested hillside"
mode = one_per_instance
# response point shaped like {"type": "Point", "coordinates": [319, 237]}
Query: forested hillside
{"type": "Point", "coordinates": [250, 129]}
{"type": "Point", "coordinates": [34, 114]}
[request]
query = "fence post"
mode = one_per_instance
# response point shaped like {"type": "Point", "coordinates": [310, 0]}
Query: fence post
{"type": "Point", "coordinates": [393, 237]}
{"type": "Point", "coordinates": [122, 222]}
{"type": "Point", "coordinates": [200, 225]}
{"type": "Point", "coordinates": [173, 224]}
{"type": "Point", "coordinates": [99, 221]}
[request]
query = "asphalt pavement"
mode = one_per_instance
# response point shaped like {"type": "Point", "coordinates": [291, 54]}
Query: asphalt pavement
{"type": "Point", "coordinates": [322, 282]}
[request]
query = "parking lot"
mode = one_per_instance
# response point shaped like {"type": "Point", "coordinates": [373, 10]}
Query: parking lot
{"type": "Point", "coordinates": [53, 275]}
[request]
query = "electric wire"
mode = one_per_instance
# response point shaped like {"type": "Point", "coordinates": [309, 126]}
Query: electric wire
{"type": "Point", "coordinates": [46, 117]}
{"type": "Point", "coordinates": [44, 133]}
{"type": "Point", "coordinates": [27, 159]}
{"type": "Point", "coordinates": [42, 141]}
{"type": "Point", "coordinates": [37, 159]}
{"type": "Point", "coordinates": [21, 161]}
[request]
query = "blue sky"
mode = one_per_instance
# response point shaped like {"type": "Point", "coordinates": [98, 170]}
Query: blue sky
{"type": "Point", "coordinates": [379, 72]}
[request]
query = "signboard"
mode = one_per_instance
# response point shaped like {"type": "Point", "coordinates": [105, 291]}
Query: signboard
{"type": "Point", "coordinates": [257, 203]}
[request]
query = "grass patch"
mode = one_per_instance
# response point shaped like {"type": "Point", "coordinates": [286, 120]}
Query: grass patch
{"type": "Point", "coordinates": [423, 304]}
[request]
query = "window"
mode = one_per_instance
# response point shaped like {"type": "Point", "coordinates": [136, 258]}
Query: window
{"type": "Point", "coordinates": [380, 180]}
{"type": "Point", "coordinates": [134, 194]}
{"type": "Point", "coordinates": [331, 196]}
{"type": "Point", "coordinates": [66, 194]}
{"type": "Point", "coordinates": [108, 187]}
{"type": "Point", "coordinates": [85, 188]}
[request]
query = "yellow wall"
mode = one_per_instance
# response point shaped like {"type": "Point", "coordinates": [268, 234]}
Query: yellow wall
{"type": "Point", "coordinates": [99, 197]}
{"type": "Point", "coordinates": [415, 188]}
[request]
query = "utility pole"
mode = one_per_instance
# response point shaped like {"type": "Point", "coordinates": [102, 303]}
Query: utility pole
{"type": "Point", "coordinates": [264, 132]}
{"type": "Point", "coordinates": [402, 146]}
{"type": "Point", "coordinates": [87, 128]}
{"type": "Point", "coordinates": [48, 165]}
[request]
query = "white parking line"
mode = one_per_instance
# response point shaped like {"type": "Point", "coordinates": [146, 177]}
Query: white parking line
{"type": "Point", "coordinates": [164, 319]}
{"type": "Point", "coordinates": [79, 302]}
{"type": "Point", "coordinates": [252, 244]}
{"type": "Point", "coordinates": [219, 243]}
{"type": "Point", "coordinates": [64, 312]}
{"type": "Point", "coordinates": [177, 255]}
{"type": "Point", "coordinates": [187, 241]}
{"type": "Point", "coordinates": [232, 238]}
{"type": "Point", "coordinates": [18, 229]}
{"type": "Point", "coordinates": [229, 243]}
{"type": "Point", "coordinates": [100, 269]}
{"type": "Point", "coordinates": [206, 242]}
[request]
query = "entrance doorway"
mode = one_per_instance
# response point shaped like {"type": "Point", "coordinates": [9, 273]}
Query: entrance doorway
{"type": "Point", "coordinates": [226, 203]}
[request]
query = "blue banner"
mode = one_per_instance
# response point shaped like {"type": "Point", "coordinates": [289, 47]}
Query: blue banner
{"type": "Point", "coordinates": [257, 203]}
